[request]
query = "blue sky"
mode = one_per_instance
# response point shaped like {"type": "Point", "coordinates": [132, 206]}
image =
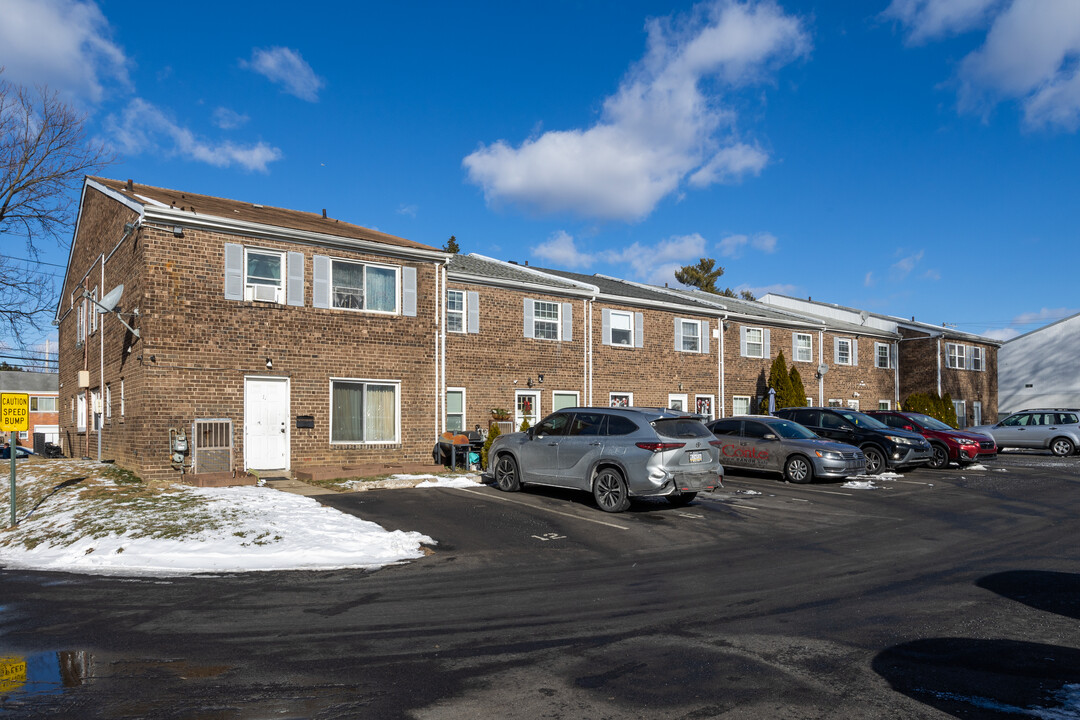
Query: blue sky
{"type": "Point", "coordinates": [912, 157]}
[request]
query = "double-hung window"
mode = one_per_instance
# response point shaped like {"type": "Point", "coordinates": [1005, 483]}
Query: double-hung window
{"type": "Point", "coordinates": [740, 405]}
{"type": "Point", "coordinates": [977, 359]}
{"type": "Point", "coordinates": [622, 328]}
{"type": "Point", "coordinates": [263, 275]}
{"type": "Point", "coordinates": [956, 356]}
{"type": "Point", "coordinates": [364, 411]}
{"type": "Point", "coordinates": [843, 353]}
{"type": "Point", "coordinates": [753, 342]}
{"type": "Point", "coordinates": [455, 311]}
{"type": "Point", "coordinates": [545, 320]}
{"type": "Point", "coordinates": [362, 286]}
{"type": "Point", "coordinates": [455, 409]}
{"type": "Point", "coordinates": [691, 335]}
{"type": "Point", "coordinates": [802, 347]}
{"type": "Point", "coordinates": [882, 355]}
{"type": "Point", "coordinates": [42, 403]}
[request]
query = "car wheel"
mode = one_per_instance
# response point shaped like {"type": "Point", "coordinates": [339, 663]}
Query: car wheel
{"type": "Point", "coordinates": [940, 458]}
{"type": "Point", "coordinates": [875, 461]}
{"type": "Point", "coordinates": [610, 492]}
{"type": "Point", "coordinates": [798, 469]}
{"type": "Point", "coordinates": [681, 499]}
{"type": "Point", "coordinates": [506, 474]}
{"type": "Point", "coordinates": [1062, 447]}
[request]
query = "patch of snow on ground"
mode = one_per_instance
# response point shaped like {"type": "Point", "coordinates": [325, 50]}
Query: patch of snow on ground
{"type": "Point", "coordinates": [976, 466]}
{"type": "Point", "coordinates": [235, 529]}
{"type": "Point", "coordinates": [463, 481]}
{"type": "Point", "coordinates": [747, 492]}
{"type": "Point", "coordinates": [860, 485]}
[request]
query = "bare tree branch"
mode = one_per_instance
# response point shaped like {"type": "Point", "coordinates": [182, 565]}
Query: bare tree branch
{"type": "Point", "coordinates": [44, 155]}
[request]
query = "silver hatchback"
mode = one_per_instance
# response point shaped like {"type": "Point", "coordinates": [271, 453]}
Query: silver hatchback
{"type": "Point", "coordinates": [614, 453]}
{"type": "Point", "coordinates": [772, 444]}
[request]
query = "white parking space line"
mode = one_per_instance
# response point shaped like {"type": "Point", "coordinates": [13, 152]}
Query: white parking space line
{"type": "Point", "coordinates": [826, 492]}
{"type": "Point", "coordinates": [912, 482]}
{"type": "Point", "coordinates": [536, 507]}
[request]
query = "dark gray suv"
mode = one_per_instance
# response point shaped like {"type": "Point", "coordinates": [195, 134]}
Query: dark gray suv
{"type": "Point", "coordinates": [614, 453]}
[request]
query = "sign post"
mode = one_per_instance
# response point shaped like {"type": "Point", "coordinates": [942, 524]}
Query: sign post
{"type": "Point", "coordinates": [14, 418]}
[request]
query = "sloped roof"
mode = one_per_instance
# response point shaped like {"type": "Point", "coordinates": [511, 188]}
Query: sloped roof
{"type": "Point", "coordinates": [616, 287]}
{"type": "Point", "coordinates": [17, 381]}
{"type": "Point", "coordinates": [203, 205]}
{"type": "Point", "coordinates": [509, 273]}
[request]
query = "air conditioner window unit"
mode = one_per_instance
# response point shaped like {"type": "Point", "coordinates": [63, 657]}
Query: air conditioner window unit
{"type": "Point", "coordinates": [264, 293]}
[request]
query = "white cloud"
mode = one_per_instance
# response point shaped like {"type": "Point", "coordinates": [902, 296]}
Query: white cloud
{"type": "Point", "coordinates": [868, 281]}
{"type": "Point", "coordinates": [287, 68]}
{"type": "Point", "coordinates": [560, 249]}
{"type": "Point", "coordinates": [903, 267]}
{"type": "Point", "coordinates": [227, 119]}
{"type": "Point", "coordinates": [143, 127]}
{"type": "Point", "coordinates": [934, 19]}
{"type": "Point", "coordinates": [1046, 315]}
{"type": "Point", "coordinates": [732, 245]}
{"type": "Point", "coordinates": [1001, 334]}
{"type": "Point", "coordinates": [765, 242]}
{"type": "Point", "coordinates": [931, 275]}
{"type": "Point", "coordinates": [657, 264]}
{"type": "Point", "coordinates": [409, 210]}
{"type": "Point", "coordinates": [778, 288]}
{"type": "Point", "coordinates": [64, 44]}
{"type": "Point", "coordinates": [659, 129]}
{"type": "Point", "coordinates": [1031, 54]}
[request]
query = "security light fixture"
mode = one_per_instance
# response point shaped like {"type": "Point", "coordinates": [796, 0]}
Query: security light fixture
{"type": "Point", "coordinates": [269, 364]}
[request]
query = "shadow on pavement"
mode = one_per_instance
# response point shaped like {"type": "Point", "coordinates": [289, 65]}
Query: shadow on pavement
{"type": "Point", "coordinates": [1056, 592]}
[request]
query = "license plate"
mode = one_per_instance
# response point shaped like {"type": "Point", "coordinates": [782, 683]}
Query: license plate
{"type": "Point", "coordinates": [695, 456]}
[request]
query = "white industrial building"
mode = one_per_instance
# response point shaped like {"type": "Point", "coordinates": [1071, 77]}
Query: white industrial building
{"type": "Point", "coordinates": [1041, 369]}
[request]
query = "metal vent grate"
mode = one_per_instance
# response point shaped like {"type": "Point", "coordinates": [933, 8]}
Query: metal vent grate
{"type": "Point", "coordinates": [212, 443]}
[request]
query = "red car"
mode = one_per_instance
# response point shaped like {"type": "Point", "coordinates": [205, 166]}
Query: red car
{"type": "Point", "coordinates": [948, 443]}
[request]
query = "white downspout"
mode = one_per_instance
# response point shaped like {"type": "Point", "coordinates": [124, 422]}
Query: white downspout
{"type": "Point", "coordinates": [722, 410]}
{"type": "Point", "coordinates": [440, 345]}
{"type": "Point", "coordinates": [101, 358]}
{"type": "Point", "coordinates": [589, 362]}
{"type": "Point", "coordinates": [939, 366]}
{"type": "Point", "coordinates": [896, 374]}
{"type": "Point", "coordinates": [821, 361]}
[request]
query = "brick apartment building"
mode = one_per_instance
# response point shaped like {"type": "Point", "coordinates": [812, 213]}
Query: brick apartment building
{"type": "Point", "coordinates": [250, 338]}
{"type": "Point", "coordinates": [930, 358]}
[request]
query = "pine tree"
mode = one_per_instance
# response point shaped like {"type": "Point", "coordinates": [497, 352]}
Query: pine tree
{"type": "Point", "coordinates": [451, 246]}
{"type": "Point", "coordinates": [798, 390]}
{"type": "Point", "coordinates": [780, 381]}
{"type": "Point", "coordinates": [493, 432]}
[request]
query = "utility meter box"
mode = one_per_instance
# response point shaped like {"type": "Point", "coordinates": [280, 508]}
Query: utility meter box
{"type": "Point", "coordinates": [84, 378]}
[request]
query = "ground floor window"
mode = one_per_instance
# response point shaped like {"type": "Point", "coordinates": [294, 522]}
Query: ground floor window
{"type": "Point", "coordinates": [853, 404]}
{"type": "Point", "coordinates": [677, 401]}
{"type": "Point", "coordinates": [563, 399]}
{"type": "Point", "coordinates": [740, 405]}
{"type": "Point", "coordinates": [835, 402]}
{"type": "Point", "coordinates": [884, 405]}
{"type": "Point", "coordinates": [961, 413]}
{"type": "Point", "coordinates": [364, 411]}
{"type": "Point", "coordinates": [976, 413]}
{"type": "Point", "coordinates": [809, 402]}
{"type": "Point", "coordinates": [80, 411]}
{"type": "Point", "coordinates": [455, 409]}
{"type": "Point", "coordinates": [704, 405]}
{"type": "Point", "coordinates": [621, 399]}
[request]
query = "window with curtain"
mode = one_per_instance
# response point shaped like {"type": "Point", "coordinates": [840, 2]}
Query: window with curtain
{"type": "Point", "coordinates": [363, 412]}
{"type": "Point", "coordinates": [740, 405]}
{"type": "Point", "coordinates": [357, 286]}
{"type": "Point", "coordinates": [804, 347]}
{"type": "Point", "coordinates": [691, 342]}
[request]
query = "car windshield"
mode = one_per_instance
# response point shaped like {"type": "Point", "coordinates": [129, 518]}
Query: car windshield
{"type": "Point", "coordinates": [792, 431]}
{"type": "Point", "coordinates": [930, 422]}
{"type": "Point", "coordinates": [681, 428]}
{"type": "Point", "coordinates": [864, 421]}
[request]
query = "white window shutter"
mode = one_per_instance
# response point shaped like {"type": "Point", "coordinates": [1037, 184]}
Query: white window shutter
{"type": "Point", "coordinates": [742, 342]}
{"type": "Point", "coordinates": [766, 338]}
{"type": "Point", "coordinates": [855, 351]}
{"type": "Point", "coordinates": [705, 336]}
{"type": "Point", "coordinates": [970, 352]}
{"type": "Point", "coordinates": [529, 329]}
{"type": "Point", "coordinates": [605, 327]}
{"type": "Point", "coordinates": [892, 355]}
{"type": "Point", "coordinates": [408, 291]}
{"type": "Point", "coordinates": [567, 322]}
{"type": "Point", "coordinates": [678, 334]}
{"type": "Point", "coordinates": [234, 271]}
{"type": "Point", "coordinates": [639, 329]}
{"type": "Point", "coordinates": [294, 289]}
{"type": "Point", "coordinates": [473, 302]}
{"type": "Point", "coordinates": [320, 281]}
{"type": "Point", "coordinates": [836, 351]}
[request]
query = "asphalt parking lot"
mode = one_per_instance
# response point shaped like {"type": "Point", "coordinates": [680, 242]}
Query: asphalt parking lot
{"type": "Point", "coordinates": [940, 594]}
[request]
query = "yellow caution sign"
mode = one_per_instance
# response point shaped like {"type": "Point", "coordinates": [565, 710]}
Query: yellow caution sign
{"type": "Point", "coordinates": [14, 412]}
{"type": "Point", "coordinates": [12, 673]}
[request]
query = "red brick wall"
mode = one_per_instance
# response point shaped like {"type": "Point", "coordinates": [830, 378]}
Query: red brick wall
{"type": "Point", "coordinates": [919, 356]}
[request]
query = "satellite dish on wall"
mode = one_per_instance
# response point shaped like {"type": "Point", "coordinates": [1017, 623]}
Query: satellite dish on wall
{"type": "Point", "coordinates": [109, 302]}
{"type": "Point", "coordinates": [864, 315]}
{"type": "Point", "coordinates": [822, 369]}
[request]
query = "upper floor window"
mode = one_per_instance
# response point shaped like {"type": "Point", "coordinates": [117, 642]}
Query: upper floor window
{"type": "Point", "coordinates": [753, 342]}
{"type": "Point", "coordinates": [955, 356]}
{"type": "Point", "coordinates": [691, 336]}
{"type": "Point", "coordinates": [360, 286]}
{"type": "Point", "coordinates": [547, 320]}
{"type": "Point", "coordinates": [263, 276]}
{"type": "Point", "coordinates": [41, 403]}
{"type": "Point", "coordinates": [802, 347]}
{"type": "Point", "coordinates": [977, 358]}
{"type": "Point", "coordinates": [882, 355]}
{"type": "Point", "coordinates": [455, 311]}
{"type": "Point", "coordinates": [622, 328]}
{"type": "Point", "coordinates": [845, 352]}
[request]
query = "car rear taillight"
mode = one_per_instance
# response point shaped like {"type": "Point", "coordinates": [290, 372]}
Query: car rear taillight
{"type": "Point", "coordinates": [716, 443]}
{"type": "Point", "coordinates": [660, 446]}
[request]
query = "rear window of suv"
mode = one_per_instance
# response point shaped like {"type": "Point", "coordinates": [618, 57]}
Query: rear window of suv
{"type": "Point", "coordinates": [1066, 419]}
{"type": "Point", "coordinates": [681, 428]}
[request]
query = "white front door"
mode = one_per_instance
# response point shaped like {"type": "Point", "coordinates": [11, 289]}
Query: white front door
{"type": "Point", "coordinates": [266, 423]}
{"type": "Point", "coordinates": [526, 407]}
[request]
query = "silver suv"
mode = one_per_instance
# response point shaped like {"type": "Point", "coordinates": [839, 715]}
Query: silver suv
{"type": "Point", "coordinates": [615, 453]}
{"type": "Point", "coordinates": [1056, 429]}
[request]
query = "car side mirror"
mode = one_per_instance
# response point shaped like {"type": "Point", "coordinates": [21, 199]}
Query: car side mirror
{"type": "Point", "coordinates": [531, 432]}
{"type": "Point", "coordinates": [769, 436]}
